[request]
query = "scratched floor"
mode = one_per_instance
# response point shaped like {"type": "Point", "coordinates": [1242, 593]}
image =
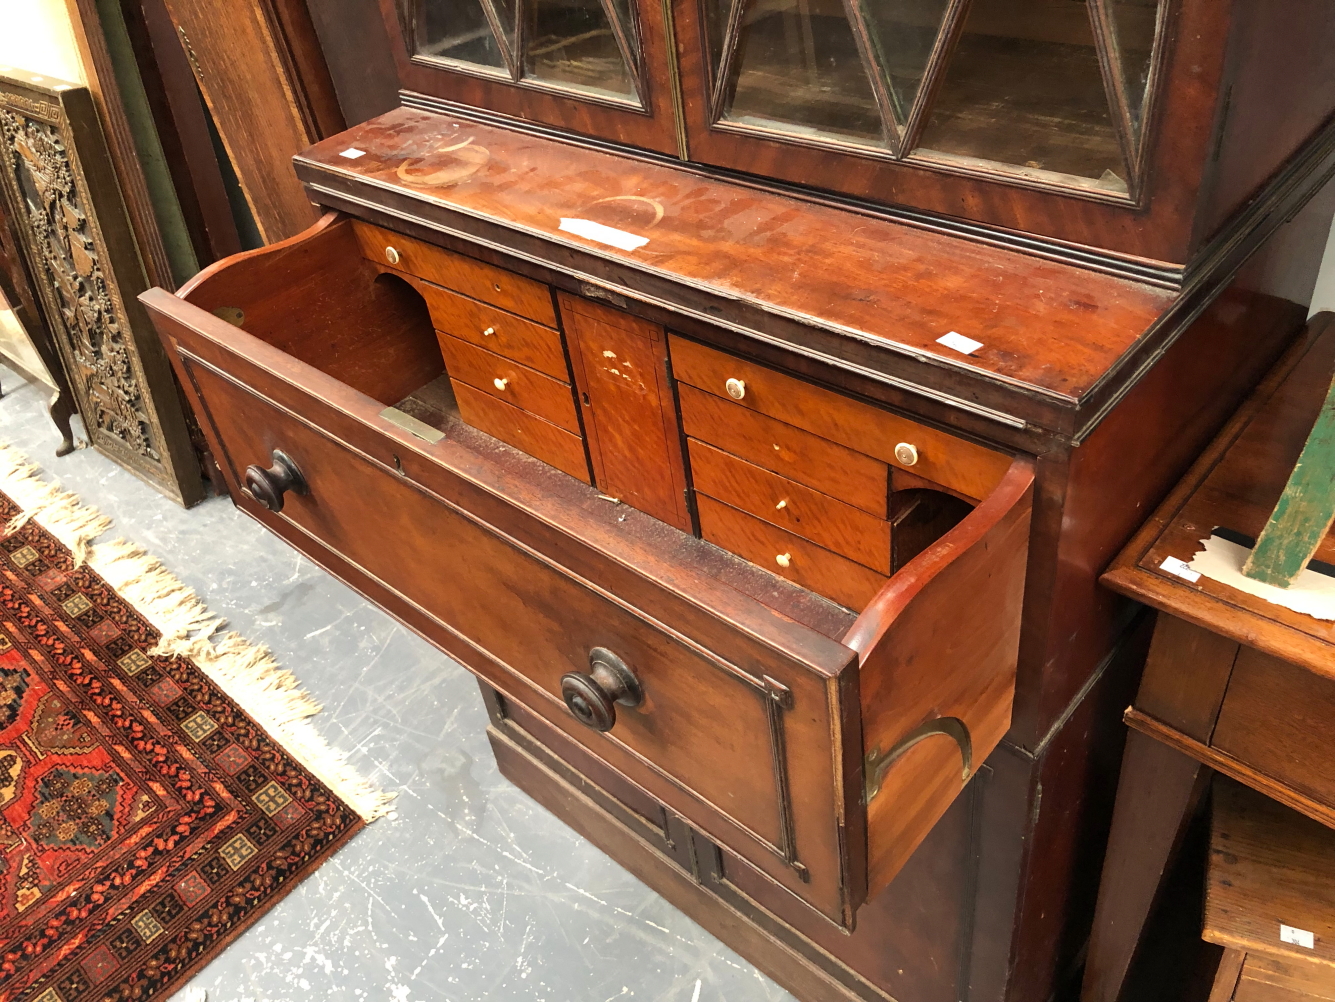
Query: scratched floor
{"type": "Point", "coordinates": [471, 891]}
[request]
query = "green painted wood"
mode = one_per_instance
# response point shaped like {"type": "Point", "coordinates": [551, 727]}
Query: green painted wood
{"type": "Point", "coordinates": [1305, 510]}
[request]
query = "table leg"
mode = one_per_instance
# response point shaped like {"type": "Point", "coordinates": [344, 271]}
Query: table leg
{"type": "Point", "coordinates": [1157, 794]}
{"type": "Point", "coordinates": [1226, 980]}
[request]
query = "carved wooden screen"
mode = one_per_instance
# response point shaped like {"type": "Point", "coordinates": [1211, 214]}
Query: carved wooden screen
{"type": "Point", "coordinates": [67, 210]}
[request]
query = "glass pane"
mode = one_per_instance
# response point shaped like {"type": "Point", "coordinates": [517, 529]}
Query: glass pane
{"type": "Point", "coordinates": [797, 69]}
{"type": "Point", "coordinates": [505, 14]}
{"type": "Point", "coordinates": [902, 35]}
{"type": "Point", "coordinates": [456, 29]}
{"type": "Point", "coordinates": [571, 42]}
{"type": "Point", "coordinates": [1024, 90]}
{"type": "Point", "coordinates": [1134, 21]}
{"type": "Point", "coordinates": [716, 23]}
{"type": "Point", "coordinates": [625, 11]}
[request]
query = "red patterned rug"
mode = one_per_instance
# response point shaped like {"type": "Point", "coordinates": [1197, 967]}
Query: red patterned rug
{"type": "Point", "coordinates": [146, 819]}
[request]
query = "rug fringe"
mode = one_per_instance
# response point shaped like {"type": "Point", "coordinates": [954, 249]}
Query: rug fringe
{"type": "Point", "coordinates": [246, 672]}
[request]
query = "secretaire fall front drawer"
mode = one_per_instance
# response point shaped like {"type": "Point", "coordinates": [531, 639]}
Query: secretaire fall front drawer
{"type": "Point", "coordinates": [699, 734]}
{"type": "Point", "coordinates": [818, 746]}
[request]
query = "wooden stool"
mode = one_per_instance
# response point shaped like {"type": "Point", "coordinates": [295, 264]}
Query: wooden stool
{"type": "Point", "coordinates": [1269, 900]}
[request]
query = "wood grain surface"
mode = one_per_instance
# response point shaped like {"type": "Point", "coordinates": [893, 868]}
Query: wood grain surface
{"type": "Point", "coordinates": [526, 432]}
{"type": "Point", "coordinates": [496, 330]}
{"type": "Point", "coordinates": [1236, 483]}
{"type": "Point", "coordinates": [789, 505]}
{"type": "Point", "coordinates": [874, 278]}
{"type": "Point", "coordinates": [1269, 865]}
{"type": "Point", "coordinates": [788, 555]}
{"type": "Point", "coordinates": [467, 275]}
{"type": "Point", "coordinates": [955, 463]}
{"type": "Point", "coordinates": [630, 416]}
{"type": "Point", "coordinates": [791, 452]}
{"type": "Point", "coordinates": [515, 384]}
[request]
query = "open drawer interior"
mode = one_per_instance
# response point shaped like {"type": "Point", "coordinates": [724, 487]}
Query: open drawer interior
{"type": "Point", "coordinates": [934, 643]}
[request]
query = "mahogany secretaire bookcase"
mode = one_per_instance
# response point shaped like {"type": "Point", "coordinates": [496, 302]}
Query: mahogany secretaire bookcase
{"type": "Point", "coordinates": [751, 391]}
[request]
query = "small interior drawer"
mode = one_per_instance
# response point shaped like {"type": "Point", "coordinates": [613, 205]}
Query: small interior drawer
{"type": "Point", "coordinates": [473, 278]}
{"type": "Point", "coordinates": [788, 554]}
{"type": "Point", "coordinates": [789, 505]}
{"type": "Point", "coordinates": [960, 465]}
{"type": "Point", "coordinates": [539, 438]}
{"type": "Point", "coordinates": [511, 382]}
{"type": "Point", "coordinates": [796, 454]}
{"type": "Point", "coordinates": [495, 330]}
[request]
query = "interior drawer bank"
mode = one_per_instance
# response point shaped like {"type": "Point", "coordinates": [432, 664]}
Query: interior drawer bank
{"type": "Point", "coordinates": [818, 746]}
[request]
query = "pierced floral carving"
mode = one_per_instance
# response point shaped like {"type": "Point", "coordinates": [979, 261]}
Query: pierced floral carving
{"type": "Point", "coordinates": [95, 331]}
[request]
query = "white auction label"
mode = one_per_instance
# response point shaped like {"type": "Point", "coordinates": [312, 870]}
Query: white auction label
{"type": "Point", "coordinates": [590, 230]}
{"type": "Point", "coordinates": [1180, 568]}
{"type": "Point", "coordinates": [1296, 937]}
{"type": "Point", "coordinates": [959, 342]}
{"type": "Point", "coordinates": [352, 153]}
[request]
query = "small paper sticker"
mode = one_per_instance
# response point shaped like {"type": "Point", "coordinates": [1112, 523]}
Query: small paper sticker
{"type": "Point", "coordinates": [959, 342]}
{"type": "Point", "coordinates": [1296, 937]}
{"type": "Point", "coordinates": [1180, 568]}
{"type": "Point", "coordinates": [590, 230]}
{"type": "Point", "coordinates": [352, 153]}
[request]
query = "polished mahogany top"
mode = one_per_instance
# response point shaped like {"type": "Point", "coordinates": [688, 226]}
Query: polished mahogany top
{"type": "Point", "coordinates": [1045, 329]}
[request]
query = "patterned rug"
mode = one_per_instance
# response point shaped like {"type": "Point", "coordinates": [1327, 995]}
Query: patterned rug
{"type": "Point", "coordinates": [146, 818]}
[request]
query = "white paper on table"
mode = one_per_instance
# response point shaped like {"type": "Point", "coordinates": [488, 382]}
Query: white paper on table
{"type": "Point", "coordinates": [1312, 594]}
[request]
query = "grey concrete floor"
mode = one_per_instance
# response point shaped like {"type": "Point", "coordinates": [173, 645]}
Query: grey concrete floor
{"type": "Point", "coordinates": [471, 890]}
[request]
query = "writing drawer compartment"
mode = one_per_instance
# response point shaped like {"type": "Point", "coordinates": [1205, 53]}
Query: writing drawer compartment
{"type": "Point", "coordinates": [524, 622]}
{"type": "Point", "coordinates": [510, 382]}
{"type": "Point", "coordinates": [473, 278]}
{"type": "Point", "coordinates": [819, 746]}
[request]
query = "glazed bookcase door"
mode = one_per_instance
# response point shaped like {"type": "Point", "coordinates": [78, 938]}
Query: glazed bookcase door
{"type": "Point", "coordinates": [597, 67]}
{"type": "Point", "coordinates": [1047, 94]}
{"type": "Point", "coordinates": [932, 103]}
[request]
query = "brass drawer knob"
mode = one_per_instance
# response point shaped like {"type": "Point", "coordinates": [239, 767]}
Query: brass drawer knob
{"type": "Point", "coordinates": [489, 332]}
{"type": "Point", "coordinates": [392, 255]}
{"type": "Point", "coordinates": [500, 384]}
{"type": "Point", "coordinates": [736, 388]}
{"type": "Point", "coordinates": [784, 560]}
{"type": "Point", "coordinates": [906, 453]}
{"type": "Point", "coordinates": [267, 487]}
{"type": "Point", "coordinates": [592, 698]}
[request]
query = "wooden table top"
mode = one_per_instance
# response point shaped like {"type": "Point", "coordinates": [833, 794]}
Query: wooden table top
{"type": "Point", "coordinates": [1235, 484]}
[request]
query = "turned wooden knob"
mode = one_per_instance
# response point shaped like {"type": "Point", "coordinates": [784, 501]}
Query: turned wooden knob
{"type": "Point", "coordinates": [593, 697]}
{"type": "Point", "coordinates": [267, 487]}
